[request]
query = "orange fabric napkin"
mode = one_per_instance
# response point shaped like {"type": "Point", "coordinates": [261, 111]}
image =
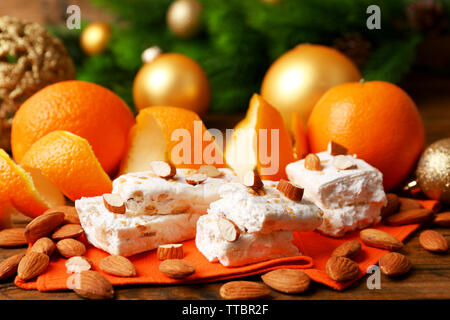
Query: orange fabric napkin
{"type": "Point", "coordinates": [316, 249]}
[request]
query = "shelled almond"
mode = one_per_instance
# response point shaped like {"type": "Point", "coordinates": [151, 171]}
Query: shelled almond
{"type": "Point", "coordinates": [12, 237]}
{"type": "Point", "coordinates": [442, 219]}
{"type": "Point", "coordinates": [287, 280]}
{"type": "Point", "coordinates": [70, 213]}
{"type": "Point", "coordinates": [348, 249]}
{"type": "Point", "coordinates": [196, 178]}
{"type": "Point", "coordinates": [312, 162]}
{"type": "Point", "coordinates": [229, 231]}
{"type": "Point", "coordinates": [380, 239]}
{"type": "Point", "coordinates": [176, 268]}
{"type": "Point", "coordinates": [335, 149]}
{"type": "Point", "coordinates": [243, 290]}
{"type": "Point", "coordinates": [163, 169]}
{"type": "Point", "coordinates": [210, 171]}
{"type": "Point", "coordinates": [392, 206]}
{"type": "Point", "coordinates": [253, 181]}
{"type": "Point", "coordinates": [394, 264]}
{"type": "Point", "coordinates": [342, 162]}
{"type": "Point", "coordinates": [409, 217]}
{"type": "Point", "coordinates": [70, 230]}
{"type": "Point", "coordinates": [8, 267]}
{"type": "Point", "coordinates": [92, 285]}
{"type": "Point", "coordinates": [342, 269]}
{"type": "Point", "coordinates": [70, 247]}
{"type": "Point", "coordinates": [32, 265]}
{"type": "Point", "coordinates": [290, 190]}
{"type": "Point", "coordinates": [43, 225]}
{"type": "Point", "coordinates": [433, 241]}
{"type": "Point", "coordinates": [408, 204]}
{"type": "Point", "coordinates": [78, 264]}
{"type": "Point", "coordinates": [43, 245]}
{"type": "Point", "coordinates": [117, 266]}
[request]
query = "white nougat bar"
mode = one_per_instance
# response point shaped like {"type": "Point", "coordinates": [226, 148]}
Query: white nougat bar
{"type": "Point", "coordinates": [265, 213]}
{"type": "Point", "coordinates": [146, 193]}
{"type": "Point", "coordinates": [249, 248]}
{"type": "Point", "coordinates": [128, 234]}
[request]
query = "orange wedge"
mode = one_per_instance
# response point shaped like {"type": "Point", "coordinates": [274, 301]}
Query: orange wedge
{"type": "Point", "coordinates": [18, 187]}
{"type": "Point", "coordinates": [169, 134]}
{"type": "Point", "coordinates": [260, 141]}
{"type": "Point", "coordinates": [66, 161]}
{"type": "Point", "coordinates": [299, 136]}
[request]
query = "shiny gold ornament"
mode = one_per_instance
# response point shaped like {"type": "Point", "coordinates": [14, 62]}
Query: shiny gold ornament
{"type": "Point", "coordinates": [30, 59]}
{"type": "Point", "coordinates": [150, 54]}
{"type": "Point", "coordinates": [183, 17]}
{"type": "Point", "coordinates": [297, 79]}
{"type": "Point", "coordinates": [95, 37]}
{"type": "Point", "coordinates": [172, 79]}
{"type": "Point", "coordinates": [433, 171]}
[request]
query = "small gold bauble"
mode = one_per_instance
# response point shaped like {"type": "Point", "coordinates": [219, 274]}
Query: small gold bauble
{"type": "Point", "coordinates": [95, 37]}
{"type": "Point", "coordinates": [183, 17]}
{"type": "Point", "coordinates": [297, 79]}
{"type": "Point", "coordinates": [150, 54]}
{"type": "Point", "coordinates": [172, 79]}
{"type": "Point", "coordinates": [433, 171]}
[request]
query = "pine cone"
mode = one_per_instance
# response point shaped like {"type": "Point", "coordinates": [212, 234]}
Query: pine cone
{"type": "Point", "coordinates": [425, 15]}
{"type": "Point", "coordinates": [30, 59]}
{"type": "Point", "coordinates": [354, 46]}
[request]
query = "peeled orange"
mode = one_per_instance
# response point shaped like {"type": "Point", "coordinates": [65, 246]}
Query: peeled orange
{"type": "Point", "coordinates": [376, 120]}
{"type": "Point", "coordinates": [67, 162]}
{"type": "Point", "coordinates": [260, 141]}
{"type": "Point", "coordinates": [170, 134]}
{"type": "Point", "coordinates": [83, 108]}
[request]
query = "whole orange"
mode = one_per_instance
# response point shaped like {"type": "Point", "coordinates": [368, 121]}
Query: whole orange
{"type": "Point", "coordinates": [375, 120]}
{"type": "Point", "coordinates": [83, 108]}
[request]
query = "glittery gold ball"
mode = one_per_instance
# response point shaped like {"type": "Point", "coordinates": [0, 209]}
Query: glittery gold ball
{"type": "Point", "coordinates": [30, 59]}
{"type": "Point", "coordinates": [95, 37]}
{"type": "Point", "coordinates": [433, 171]}
{"type": "Point", "coordinates": [183, 17]}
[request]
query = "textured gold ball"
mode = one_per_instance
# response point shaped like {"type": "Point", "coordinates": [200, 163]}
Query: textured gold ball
{"type": "Point", "coordinates": [172, 79]}
{"type": "Point", "coordinates": [183, 17]}
{"type": "Point", "coordinates": [297, 79]}
{"type": "Point", "coordinates": [433, 171]}
{"type": "Point", "coordinates": [95, 37]}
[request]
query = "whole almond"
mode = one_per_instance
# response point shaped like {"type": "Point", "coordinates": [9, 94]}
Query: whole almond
{"type": "Point", "coordinates": [163, 169]}
{"type": "Point", "coordinates": [380, 239]}
{"type": "Point", "coordinates": [335, 149]}
{"type": "Point", "coordinates": [70, 213]}
{"type": "Point", "coordinates": [252, 180]}
{"type": "Point", "coordinates": [210, 171]}
{"type": "Point", "coordinates": [290, 190]}
{"type": "Point", "coordinates": [12, 237]}
{"type": "Point", "coordinates": [243, 290]}
{"type": "Point", "coordinates": [70, 247]}
{"type": "Point", "coordinates": [442, 219]}
{"type": "Point", "coordinates": [114, 203]}
{"type": "Point", "coordinates": [348, 249]}
{"type": "Point", "coordinates": [176, 268]}
{"type": "Point", "coordinates": [312, 162]}
{"type": "Point", "coordinates": [117, 266]}
{"type": "Point", "coordinates": [44, 245]}
{"type": "Point", "coordinates": [196, 178]}
{"type": "Point", "coordinates": [78, 264]}
{"type": "Point", "coordinates": [433, 241]}
{"type": "Point", "coordinates": [229, 231]}
{"type": "Point", "coordinates": [408, 204]}
{"type": "Point", "coordinates": [394, 264]}
{"type": "Point", "coordinates": [43, 225]}
{"type": "Point", "coordinates": [92, 285]}
{"type": "Point", "coordinates": [8, 267]}
{"type": "Point", "coordinates": [287, 280]}
{"type": "Point", "coordinates": [70, 230]}
{"type": "Point", "coordinates": [392, 206]}
{"type": "Point", "coordinates": [409, 217]}
{"type": "Point", "coordinates": [32, 265]}
{"type": "Point", "coordinates": [342, 269]}
{"type": "Point", "coordinates": [170, 251]}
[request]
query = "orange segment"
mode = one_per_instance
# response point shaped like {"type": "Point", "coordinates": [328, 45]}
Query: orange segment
{"type": "Point", "coordinates": [17, 186]}
{"type": "Point", "coordinates": [65, 160]}
{"type": "Point", "coordinates": [299, 134]}
{"type": "Point", "coordinates": [260, 141]}
{"type": "Point", "coordinates": [169, 133]}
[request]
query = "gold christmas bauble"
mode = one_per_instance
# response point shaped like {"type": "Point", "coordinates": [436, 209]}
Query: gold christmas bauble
{"type": "Point", "coordinates": [183, 17]}
{"type": "Point", "coordinates": [297, 79]}
{"type": "Point", "coordinates": [172, 79]}
{"type": "Point", "coordinates": [95, 37]}
{"type": "Point", "coordinates": [433, 171]}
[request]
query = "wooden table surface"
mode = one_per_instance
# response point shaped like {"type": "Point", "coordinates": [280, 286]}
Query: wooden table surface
{"type": "Point", "coordinates": [429, 278]}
